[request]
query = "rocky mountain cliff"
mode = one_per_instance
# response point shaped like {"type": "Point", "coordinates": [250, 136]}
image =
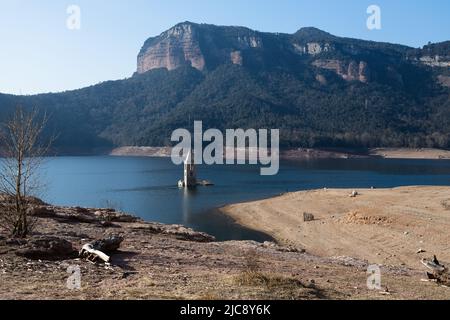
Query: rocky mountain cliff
{"type": "Point", "coordinates": [320, 90]}
{"type": "Point", "coordinates": [199, 46]}
{"type": "Point", "coordinates": [204, 47]}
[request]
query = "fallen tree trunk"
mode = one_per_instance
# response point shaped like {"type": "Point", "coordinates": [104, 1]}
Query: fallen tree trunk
{"type": "Point", "coordinates": [100, 249]}
{"type": "Point", "coordinates": [92, 254]}
{"type": "Point", "coordinates": [439, 272]}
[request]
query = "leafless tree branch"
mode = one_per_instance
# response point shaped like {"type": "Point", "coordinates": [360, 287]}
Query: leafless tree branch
{"type": "Point", "coordinates": [24, 153]}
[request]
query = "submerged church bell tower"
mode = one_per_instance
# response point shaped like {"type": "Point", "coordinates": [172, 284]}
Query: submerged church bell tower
{"type": "Point", "coordinates": [190, 175]}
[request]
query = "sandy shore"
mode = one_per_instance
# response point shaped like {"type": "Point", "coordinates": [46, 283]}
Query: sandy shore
{"type": "Point", "coordinates": [387, 226]}
{"type": "Point", "coordinates": [303, 153]}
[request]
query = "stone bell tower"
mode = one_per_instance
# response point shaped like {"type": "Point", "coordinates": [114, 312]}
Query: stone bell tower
{"type": "Point", "coordinates": [190, 175]}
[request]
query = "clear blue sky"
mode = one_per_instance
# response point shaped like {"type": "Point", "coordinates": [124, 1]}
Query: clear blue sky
{"type": "Point", "coordinates": [39, 54]}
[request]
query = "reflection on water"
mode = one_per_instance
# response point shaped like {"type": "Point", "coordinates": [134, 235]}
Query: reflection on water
{"type": "Point", "coordinates": [148, 186]}
{"type": "Point", "coordinates": [188, 195]}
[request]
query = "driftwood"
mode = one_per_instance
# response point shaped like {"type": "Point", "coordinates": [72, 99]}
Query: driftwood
{"type": "Point", "coordinates": [92, 254]}
{"type": "Point", "coordinates": [100, 249]}
{"type": "Point", "coordinates": [439, 272]}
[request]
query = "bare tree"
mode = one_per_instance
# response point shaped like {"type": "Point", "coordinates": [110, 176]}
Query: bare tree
{"type": "Point", "coordinates": [23, 151]}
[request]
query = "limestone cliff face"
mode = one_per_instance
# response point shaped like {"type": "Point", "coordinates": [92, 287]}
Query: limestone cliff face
{"type": "Point", "coordinates": [435, 61]}
{"type": "Point", "coordinates": [312, 48]}
{"type": "Point", "coordinates": [206, 47]}
{"type": "Point", "coordinates": [364, 72]}
{"type": "Point", "coordinates": [351, 71]}
{"type": "Point", "coordinates": [202, 46]}
{"type": "Point", "coordinates": [197, 45]}
{"type": "Point", "coordinates": [236, 58]}
{"type": "Point", "coordinates": [174, 48]}
{"type": "Point", "coordinates": [435, 55]}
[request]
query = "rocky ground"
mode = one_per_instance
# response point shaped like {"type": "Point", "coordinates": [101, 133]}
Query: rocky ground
{"type": "Point", "coordinates": [158, 261]}
{"type": "Point", "coordinates": [404, 153]}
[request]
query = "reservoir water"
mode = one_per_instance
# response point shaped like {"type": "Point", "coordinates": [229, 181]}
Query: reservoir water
{"type": "Point", "coordinates": [147, 187]}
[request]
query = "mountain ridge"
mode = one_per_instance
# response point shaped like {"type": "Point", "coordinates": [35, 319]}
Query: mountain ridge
{"type": "Point", "coordinates": [193, 44]}
{"type": "Point", "coordinates": [319, 89]}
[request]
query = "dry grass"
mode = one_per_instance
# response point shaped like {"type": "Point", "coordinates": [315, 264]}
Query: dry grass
{"type": "Point", "coordinates": [209, 296]}
{"type": "Point", "coordinates": [268, 280]}
{"type": "Point", "coordinates": [274, 286]}
{"type": "Point", "coordinates": [271, 285]}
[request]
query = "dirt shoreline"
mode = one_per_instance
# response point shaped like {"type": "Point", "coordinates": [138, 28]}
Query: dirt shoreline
{"type": "Point", "coordinates": [384, 226]}
{"type": "Point", "coordinates": [158, 261]}
{"type": "Point", "coordinates": [301, 153]}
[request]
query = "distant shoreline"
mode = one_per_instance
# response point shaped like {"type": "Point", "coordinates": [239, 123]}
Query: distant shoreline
{"type": "Point", "coordinates": [303, 153]}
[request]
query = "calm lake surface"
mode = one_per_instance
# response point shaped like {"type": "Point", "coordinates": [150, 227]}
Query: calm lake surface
{"type": "Point", "coordinates": [147, 187]}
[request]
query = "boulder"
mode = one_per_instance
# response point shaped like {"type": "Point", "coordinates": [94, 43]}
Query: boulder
{"type": "Point", "coordinates": [187, 234]}
{"type": "Point", "coordinates": [43, 212]}
{"type": "Point", "coordinates": [308, 217]}
{"type": "Point", "coordinates": [354, 194]}
{"type": "Point", "coordinates": [47, 248]}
